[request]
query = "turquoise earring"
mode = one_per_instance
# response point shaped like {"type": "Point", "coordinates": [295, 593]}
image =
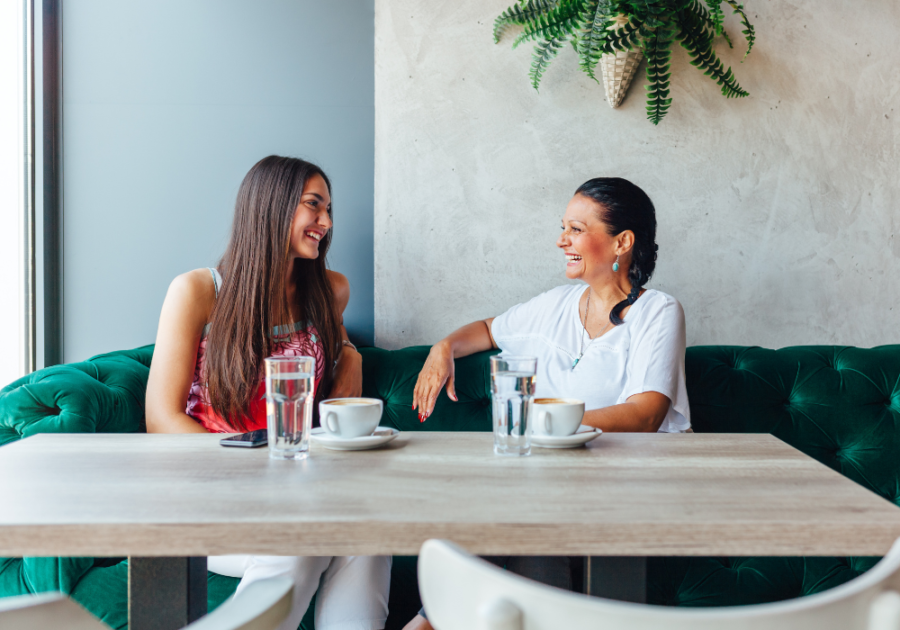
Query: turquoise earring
{"type": "Point", "coordinates": [616, 264]}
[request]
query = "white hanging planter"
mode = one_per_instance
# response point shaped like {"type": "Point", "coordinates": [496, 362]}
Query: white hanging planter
{"type": "Point", "coordinates": [619, 69]}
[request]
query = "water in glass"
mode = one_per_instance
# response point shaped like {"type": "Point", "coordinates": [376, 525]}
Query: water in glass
{"type": "Point", "coordinates": [512, 386]}
{"type": "Point", "coordinates": [290, 382]}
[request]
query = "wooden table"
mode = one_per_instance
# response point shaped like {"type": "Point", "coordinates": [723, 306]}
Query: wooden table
{"type": "Point", "coordinates": [625, 496]}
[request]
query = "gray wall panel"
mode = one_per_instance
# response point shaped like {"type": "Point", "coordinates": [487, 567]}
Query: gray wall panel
{"type": "Point", "coordinates": [166, 106]}
{"type": "Point", "coordinates": [778, 214]}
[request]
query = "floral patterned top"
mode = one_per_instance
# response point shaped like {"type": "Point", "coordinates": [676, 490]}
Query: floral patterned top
{"type": "Point", "coordinates": [303, 341]}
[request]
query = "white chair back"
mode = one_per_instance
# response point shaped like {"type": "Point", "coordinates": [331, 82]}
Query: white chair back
{"type": "Point", "coordinates": [43, 611]}
{"type": "Point", "coordinates": [462, 592]}
{"type": "Point", "coordinates": [263, 605]}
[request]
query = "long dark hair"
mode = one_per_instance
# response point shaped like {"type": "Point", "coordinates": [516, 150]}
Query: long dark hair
{"type": "Point", "coordinates": [624, 206]}
{"type": "Point", "coordinates": [252, 300]}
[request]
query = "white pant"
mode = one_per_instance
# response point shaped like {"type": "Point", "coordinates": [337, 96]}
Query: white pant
{"type": "Point", "coordinates": [352, 590]}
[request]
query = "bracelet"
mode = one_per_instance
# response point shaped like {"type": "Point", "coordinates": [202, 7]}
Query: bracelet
{"type": "Point", "coordinates": [346, 342]}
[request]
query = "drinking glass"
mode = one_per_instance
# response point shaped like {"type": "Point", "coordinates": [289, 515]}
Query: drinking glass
{"type": "Point", "coordinates": [512, 389]}
{"type": "Point", "coordinates": [289, 405]}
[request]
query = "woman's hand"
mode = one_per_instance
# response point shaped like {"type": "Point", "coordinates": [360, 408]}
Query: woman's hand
{"type": "Point", "coordinates": [437, 371]}
{"type": "Point", "coordinates": [347, 375]}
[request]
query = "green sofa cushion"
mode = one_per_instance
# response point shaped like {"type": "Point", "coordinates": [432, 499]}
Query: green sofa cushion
{"type": "Point", "coordinates": [104, 394]}
{"type": "Point", "coordinates": [391, 375]}
{"type": "Point", "coordinates": [838, 405]}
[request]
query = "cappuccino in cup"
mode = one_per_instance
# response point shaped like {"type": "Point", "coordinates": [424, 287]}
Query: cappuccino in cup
{"type": "Point", "coordinates": [557, 417]}
{"type": "Point", "coordinates": [350, 417]}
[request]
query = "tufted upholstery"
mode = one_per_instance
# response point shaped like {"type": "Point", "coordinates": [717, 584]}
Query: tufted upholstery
{"type": "Point", "coordinates": [391, 375]}
{"type": "Point", "coordinates": [104, 394]}
{"type": "Point", "coordinates": [838, 405]}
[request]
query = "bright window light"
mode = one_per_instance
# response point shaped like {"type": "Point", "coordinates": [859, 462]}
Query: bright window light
{"type": "Point", "coordinates": [10, 258]}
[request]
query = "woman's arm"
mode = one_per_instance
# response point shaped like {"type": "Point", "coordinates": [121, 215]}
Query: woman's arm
{"type": "Point", "coordinates": [348, 369]}
{"type": "Point", "coordinates": [439, 369]}
{"type": "Point", "coordinates": [185, 312]}
{"type": "Point", "coordinates": [641, 413]}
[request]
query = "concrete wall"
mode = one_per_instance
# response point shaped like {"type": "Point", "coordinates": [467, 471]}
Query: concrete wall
{"type": "Point", "coordinates": [167, 104]}
{"type": "Point", "coordinates": [778, 214]}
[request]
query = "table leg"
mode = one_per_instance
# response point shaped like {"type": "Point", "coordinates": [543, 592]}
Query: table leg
{"type": "Point", "coordinates": [623, 578]}
{"type": "Point", "coordinates": [165, 593]}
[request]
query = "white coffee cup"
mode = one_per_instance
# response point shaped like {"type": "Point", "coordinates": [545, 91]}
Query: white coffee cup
{"type": "Point", "coordinates": [557, 416]}
{"type": "Point", "coordinates": [350, 417]}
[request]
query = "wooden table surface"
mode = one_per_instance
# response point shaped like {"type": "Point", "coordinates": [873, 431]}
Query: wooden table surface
{"type": "Point", "coordinates": [627, 494]}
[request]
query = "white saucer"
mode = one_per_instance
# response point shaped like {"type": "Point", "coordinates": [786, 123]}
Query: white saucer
{"type": "Point", "coordinates": [382, 436]}
{"type": "Point", "coordinates": [582, 436]}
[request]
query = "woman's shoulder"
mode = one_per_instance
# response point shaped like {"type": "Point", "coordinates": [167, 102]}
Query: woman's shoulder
{"type": "Point", "coordinates": [540, 313]}
{"type": "Point", "coordinates": [658, 297]}
{"type": "Point", "coordinates": [561, 294]}
{"type": "Point", "coordinates": [553, 299]}
{"type": "Point", "coordinates": [194, 292]}
{"type": "Point", "coordinates": [655, 304]}
{"type": "Point", "coordinates": [196, 284]}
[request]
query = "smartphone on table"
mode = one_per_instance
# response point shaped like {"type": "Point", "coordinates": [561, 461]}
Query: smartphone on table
{"type": "Point", "coordinates": [251, 439]}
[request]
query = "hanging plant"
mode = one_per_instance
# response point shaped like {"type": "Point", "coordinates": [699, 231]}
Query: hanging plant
{"type": "Point", "coordinates": [618, 34]}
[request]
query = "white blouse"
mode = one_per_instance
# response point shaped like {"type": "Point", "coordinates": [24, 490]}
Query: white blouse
{"type": "Point", "coordinates": [644, 354]}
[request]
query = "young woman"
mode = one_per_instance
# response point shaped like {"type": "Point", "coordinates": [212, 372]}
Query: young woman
{"type": "Point", "coordinates": [271, 295]}
{"type": "Point", "coordinates": [612, 343]}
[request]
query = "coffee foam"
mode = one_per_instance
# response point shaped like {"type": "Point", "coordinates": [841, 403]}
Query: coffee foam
{"type": "Point", "coordinates": [350, 401]}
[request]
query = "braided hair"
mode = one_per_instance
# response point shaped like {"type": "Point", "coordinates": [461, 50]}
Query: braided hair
{"type": "Point", "coordinates": [624, 206]}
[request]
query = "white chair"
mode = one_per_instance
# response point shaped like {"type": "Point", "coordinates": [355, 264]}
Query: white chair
{"type": "Point", "coordinates": [462, 592]}
{"type": "Point", "coordinates": [261, 606]}
{"type": "Point", "coordinates": [45, 610]}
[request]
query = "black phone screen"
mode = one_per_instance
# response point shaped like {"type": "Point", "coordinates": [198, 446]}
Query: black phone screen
{"type": "Point", "coordinates": [250, 439]}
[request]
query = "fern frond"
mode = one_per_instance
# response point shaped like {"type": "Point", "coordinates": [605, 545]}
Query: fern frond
{"type": "Point", "coordinates": [624, 38]}
{"type": "Point", "coordinates": [658, 51]}
{"type": "Point", "coordinates": [749, 31]}
{"type": "Point", "coordinates": [716, 16]}
{"type": "Point", "coordinates": [520, 14]}
{"type": "Point", "coordinates": [698, 42]}
{"type": "Point", "coordinates": [543, 54]}
{"type": "Point", "coordinates": [716, 23]}
{"type": "Point", "coordinates": [597, 21]}
{"type": "Point", "coordinates": [560, 21]}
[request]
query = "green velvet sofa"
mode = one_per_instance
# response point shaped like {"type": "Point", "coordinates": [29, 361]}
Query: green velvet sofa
{"type": "Point", "coordinates": [839, 405]}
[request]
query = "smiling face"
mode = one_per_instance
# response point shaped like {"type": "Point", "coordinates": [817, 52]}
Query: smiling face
{"type": "Point", "coordinates": [589, 249]}
{"type": "Point", "coordinates": [311, 219]}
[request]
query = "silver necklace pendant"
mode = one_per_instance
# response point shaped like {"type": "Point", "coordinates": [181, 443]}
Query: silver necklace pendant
{"type": "Point", "coordinates": [587, 310]}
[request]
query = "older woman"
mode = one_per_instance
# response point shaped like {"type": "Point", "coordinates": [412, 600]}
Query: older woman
{"type": "Point", "coordinates": [612, 343]}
